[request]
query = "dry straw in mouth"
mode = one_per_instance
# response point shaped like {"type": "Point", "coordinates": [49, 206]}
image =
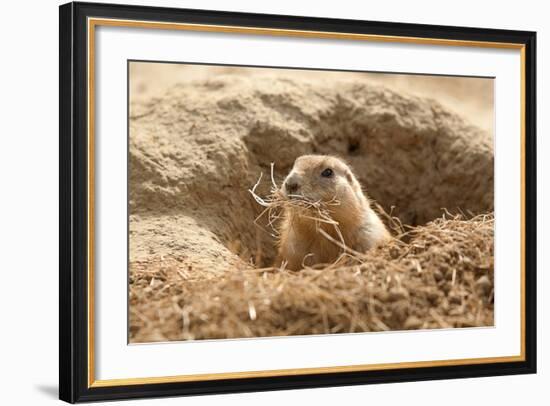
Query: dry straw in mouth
{"type": "Point", "coordinates": [276, 203]}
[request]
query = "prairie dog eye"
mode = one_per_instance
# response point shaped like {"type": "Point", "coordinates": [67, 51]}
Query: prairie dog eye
{"type": "Point", "coordinates": [327, 173]}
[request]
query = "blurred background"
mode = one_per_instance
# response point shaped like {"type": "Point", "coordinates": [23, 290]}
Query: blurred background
{"type": "Point", "coordinates": [473, 98]}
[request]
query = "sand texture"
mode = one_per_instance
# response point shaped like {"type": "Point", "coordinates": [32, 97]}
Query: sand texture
{"type": "Point", "coordinates": [197, 146]}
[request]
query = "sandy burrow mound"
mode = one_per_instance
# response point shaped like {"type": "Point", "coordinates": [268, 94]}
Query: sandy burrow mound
{"type": "Point", "coordinates": [195, 152]}
{"type": "Point", "coordinates": [194, 247]}
{"type": "Point", "coordinates": [442, 277]}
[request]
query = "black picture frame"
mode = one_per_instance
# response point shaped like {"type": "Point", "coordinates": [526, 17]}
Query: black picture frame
{"type": "Point", "coordinates": [73, 255]}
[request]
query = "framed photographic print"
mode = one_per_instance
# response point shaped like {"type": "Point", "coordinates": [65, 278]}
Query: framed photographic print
{"type": "Point", "coordinates": [256, 202]}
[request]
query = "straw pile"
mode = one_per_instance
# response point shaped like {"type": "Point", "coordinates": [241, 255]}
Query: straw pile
{"type": "Point", "coordinates": [435, 276]}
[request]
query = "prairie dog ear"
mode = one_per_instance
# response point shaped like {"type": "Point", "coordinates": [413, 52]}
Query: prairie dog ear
{"type": "Point", "coordinates": [349, 177]}
{"type": "Point", "coordinates": [355, 185]}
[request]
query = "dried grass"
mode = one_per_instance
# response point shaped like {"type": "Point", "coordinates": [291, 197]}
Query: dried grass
{"type": "Point", "coordinates": [438, 275]}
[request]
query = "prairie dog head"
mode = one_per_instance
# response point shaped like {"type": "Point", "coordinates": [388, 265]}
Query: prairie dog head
{"type": "Point", "coordinates": [323, 178]}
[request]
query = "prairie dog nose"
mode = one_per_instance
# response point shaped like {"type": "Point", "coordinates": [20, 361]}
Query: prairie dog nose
{"type": "Point", "coordinates": [291, 185]}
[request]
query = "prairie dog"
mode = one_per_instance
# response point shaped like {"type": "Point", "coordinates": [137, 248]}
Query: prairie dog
{"type": "Point", "coordinates": [329, 180]}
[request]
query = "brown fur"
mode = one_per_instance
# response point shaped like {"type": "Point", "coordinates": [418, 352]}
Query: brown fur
{"type": "Point", "coordinates": [301, 243]}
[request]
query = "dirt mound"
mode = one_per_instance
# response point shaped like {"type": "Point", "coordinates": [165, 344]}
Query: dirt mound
{"type": "Point", "coordinates": [197, 149]}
